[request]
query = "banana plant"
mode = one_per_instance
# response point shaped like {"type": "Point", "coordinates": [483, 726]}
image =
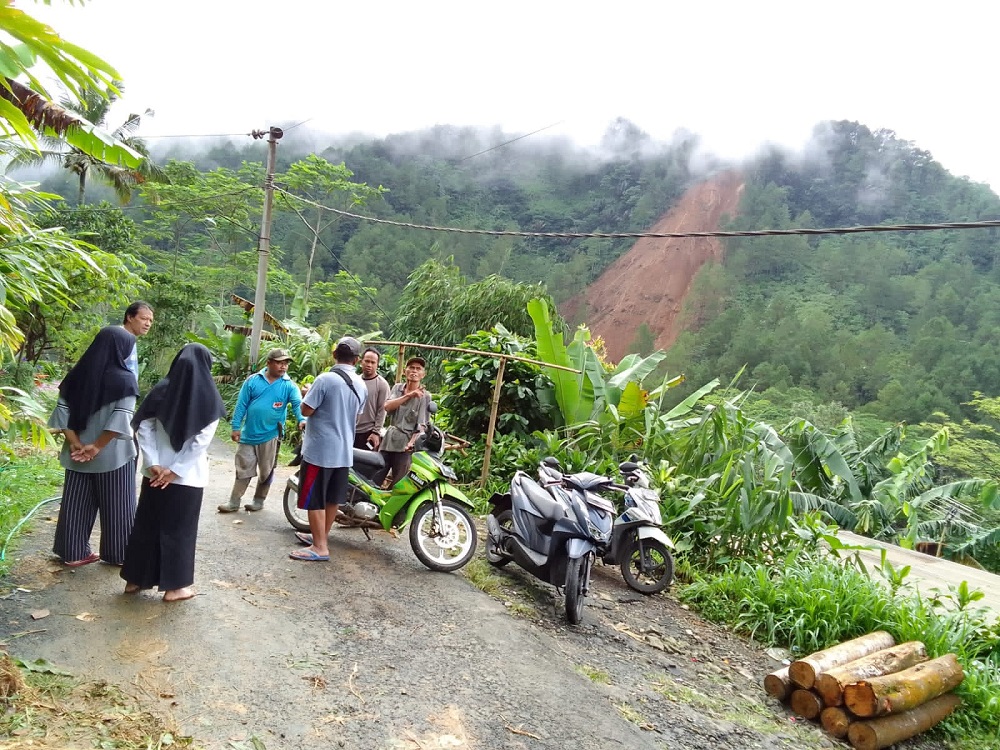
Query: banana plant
{"type": "Point", "coordinates": [593, 393]}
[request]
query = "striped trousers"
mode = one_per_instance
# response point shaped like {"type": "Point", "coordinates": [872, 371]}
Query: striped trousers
{"type": "Point", "coordinates": [111, 495]}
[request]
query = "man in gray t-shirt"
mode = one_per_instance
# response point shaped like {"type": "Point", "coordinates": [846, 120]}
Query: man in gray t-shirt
{"type": "Point", "coordinates": [331, 405]}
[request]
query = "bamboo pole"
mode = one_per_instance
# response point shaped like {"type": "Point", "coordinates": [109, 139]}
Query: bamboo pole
{"type": "Point", "coordinates": [399, 361]}
{"type": "Point", "coordinates": [902, 691]}
{"type": "Point", "coordinates": [803, 671]}
{"type": "Point", "coordinates": [830, 684]}
{"type": "Point", "coordinates": [493, 422]}
{"type": "Point", "coordinates": [494, 355]}
{"type": "Point", "coordinates": [879, 733]}
{"type": "Point", "coordinates": [835, 721]}
{"type": "Point", "coordinates": [778, 685]}
{"type": "Point", "coordinates": [806, 703]}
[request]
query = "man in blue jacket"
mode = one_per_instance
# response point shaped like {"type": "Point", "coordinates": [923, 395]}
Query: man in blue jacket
{"type": "Point", "coordinates": [258, 419]}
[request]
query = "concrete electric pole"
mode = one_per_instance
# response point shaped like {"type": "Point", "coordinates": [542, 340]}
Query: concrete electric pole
{"type": "Point", "coordinates": [264, 247]}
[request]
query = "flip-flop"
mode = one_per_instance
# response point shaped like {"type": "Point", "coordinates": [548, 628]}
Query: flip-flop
{"type": "Point", "coordinates": [308, 556]}
{"type": "Point", "coordinates": [306, 539]}
{"type": "Point", "coordinates": [94, 557]}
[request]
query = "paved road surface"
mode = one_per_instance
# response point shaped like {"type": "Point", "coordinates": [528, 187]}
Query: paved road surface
{"type": "Point", "coordinates": [928, 573]}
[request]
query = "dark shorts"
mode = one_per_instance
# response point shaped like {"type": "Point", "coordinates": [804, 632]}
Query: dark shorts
{"type": "Point", "coordinates": [320, 486]}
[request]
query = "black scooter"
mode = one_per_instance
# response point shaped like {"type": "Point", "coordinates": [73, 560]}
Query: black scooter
{"type": "Point", "coordinates": [553, 531]}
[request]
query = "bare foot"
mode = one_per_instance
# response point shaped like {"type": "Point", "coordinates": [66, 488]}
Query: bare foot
{"type": "Point", "coordinates": [178, 595]}
{"type": "Point", "coordinates": [131, 588]}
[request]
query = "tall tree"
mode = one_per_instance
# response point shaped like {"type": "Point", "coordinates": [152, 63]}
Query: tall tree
{"type": "Point", "coordinates": [320, 182]}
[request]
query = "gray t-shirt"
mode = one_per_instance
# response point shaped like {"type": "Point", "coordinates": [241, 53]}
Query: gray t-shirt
{"type": "Point", "coordinates": [407, 419]}
{"type": "Point", "coordinates": [115, 417]}
{"type": "Point", "coordinates": [329, 436]}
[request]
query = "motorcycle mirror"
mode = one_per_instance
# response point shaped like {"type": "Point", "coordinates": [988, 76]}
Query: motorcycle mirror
{"type": "Point", "coordinates": [552, 462]}
{"type": "Point", "coordinates": [433, 407]}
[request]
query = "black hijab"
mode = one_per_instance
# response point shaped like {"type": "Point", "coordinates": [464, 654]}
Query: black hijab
{"type": "Point", "coordinates": [186, 400]}
{"type": "Point", "coordinates": [100, 376]}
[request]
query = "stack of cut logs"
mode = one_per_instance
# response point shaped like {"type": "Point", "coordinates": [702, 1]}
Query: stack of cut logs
{"type": "Point", "coordinates": [870, 690]}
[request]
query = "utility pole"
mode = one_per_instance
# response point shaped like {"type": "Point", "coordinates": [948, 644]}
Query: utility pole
{"type": "Point", "coordinates": [264, 247]}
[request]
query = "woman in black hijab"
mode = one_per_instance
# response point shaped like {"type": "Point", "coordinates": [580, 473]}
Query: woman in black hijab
{"type": "Point", "coordinates": [96, 399]}
{"type": "Point", "coordinates": [174, 424]}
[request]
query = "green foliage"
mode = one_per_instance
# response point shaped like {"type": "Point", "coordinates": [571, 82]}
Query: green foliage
{"type": "Point", "coordinates": [439, 306]}
{"type": "Point", "coordinates": [27, 477]}
{"type": "Point", "coordinates": [509, 454]}
{"type": "Point", "coordinates": [98, 288]}
{"type": "Point", "coordinates": [321, 183]}
{"type": "Point", "coordinates": [176, 304]}
{"type": "Point", "coordinates": [78, 70]}
{"type": "Point", "coordinates": [470, 381]}
{"type": "Point", "coordinates": [808, 601]}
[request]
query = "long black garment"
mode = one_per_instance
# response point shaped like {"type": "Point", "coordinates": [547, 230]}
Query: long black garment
{"type": "Point", "coordinates": [161, 548]}
{"type": "Point", "coordinates": [100, 376]}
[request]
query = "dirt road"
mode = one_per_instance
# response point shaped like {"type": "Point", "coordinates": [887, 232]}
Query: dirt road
{"type": "Point", "coordinates": [374, 651]}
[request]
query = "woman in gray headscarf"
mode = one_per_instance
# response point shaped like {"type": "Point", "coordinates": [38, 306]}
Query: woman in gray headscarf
{"type": "Point", "coordinates": [94, 412]}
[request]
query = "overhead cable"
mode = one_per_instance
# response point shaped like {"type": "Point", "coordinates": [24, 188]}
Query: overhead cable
{"type": "Point", "coordinates": [990, 224]}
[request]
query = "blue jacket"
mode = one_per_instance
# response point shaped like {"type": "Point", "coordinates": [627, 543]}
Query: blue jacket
{"type": "Point", "coordinates": [262, 407]}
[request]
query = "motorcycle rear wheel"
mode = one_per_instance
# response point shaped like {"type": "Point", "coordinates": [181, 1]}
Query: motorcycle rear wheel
{"type": "Point", "coordinates": [505, 519]}
{"type": "Point", "coordinates": [448, 548]}
{"type": "Point", "coordinates": [577, 581]}
{"type": "Point", "coordinates": [299, 519]}
{"type": "Point", "coordinates": [648, 566]}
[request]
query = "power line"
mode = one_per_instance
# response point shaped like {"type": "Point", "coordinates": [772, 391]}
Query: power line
{"type": "Point", "coordinates": [340, 262]}
{"type": "Point", "coordinates": [991, 224]}
{"type": "Point", "coordinates": [195, 135]}
{"type": "Point", "coordinates": [507, 143]}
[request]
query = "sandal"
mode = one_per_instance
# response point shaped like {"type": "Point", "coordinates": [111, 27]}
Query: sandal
{"type": "Point", "coordinates": [306, 539]}
{"type": "Point", "coordinates": [94, 557]}
{"type": "Point", "coordinates": [308, 555]}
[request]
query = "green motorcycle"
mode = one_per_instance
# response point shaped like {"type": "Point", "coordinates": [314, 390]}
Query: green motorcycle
{"type": "Point", "coordinates": [442, 532]}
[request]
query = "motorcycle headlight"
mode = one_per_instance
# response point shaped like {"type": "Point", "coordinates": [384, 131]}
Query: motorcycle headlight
{"type": "Point", "coordinates": [449, 473]}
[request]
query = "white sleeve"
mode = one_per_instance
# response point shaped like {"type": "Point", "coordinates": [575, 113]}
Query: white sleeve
{"type": "Point", "coordinates": [186, 460]}
{"type": "Point", "coordinates": [146, 434]}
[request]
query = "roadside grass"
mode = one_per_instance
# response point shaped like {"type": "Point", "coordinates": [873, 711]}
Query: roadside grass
{"type": "Point", "coordinates": [812, 602]}
{"type": "Point", "coordinates": [45, 707]}
{"type": "Point", "coordinates": [594, 674]}
{"type": "Point", "coordinates": [633, 716]}
{"type": "Point", "coordinates": [481, 575]}
{"type": "Point", "coordinates": [30, 477]}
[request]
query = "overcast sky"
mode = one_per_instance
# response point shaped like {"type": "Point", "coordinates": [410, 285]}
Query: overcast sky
{"type": "Point", "coordinates": [739, 74]}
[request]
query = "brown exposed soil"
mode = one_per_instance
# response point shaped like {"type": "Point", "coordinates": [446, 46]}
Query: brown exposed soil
{"type": "Point", "coordinates": [650, 282]}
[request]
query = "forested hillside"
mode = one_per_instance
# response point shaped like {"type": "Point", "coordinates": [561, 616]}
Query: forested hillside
{"type": "Point", "coordinates": [899, 323]}
{"type": "Point", "coordinates": [904, 324]}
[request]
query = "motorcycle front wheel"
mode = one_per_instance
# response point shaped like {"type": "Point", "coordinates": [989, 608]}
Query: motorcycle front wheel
{"type": "Point", "coordinates": [648, 566]}
{"type": "Point", "coordinates": [445, 543]}
{"type": "Point", "coordinates": [577, 580]}
{"type": "Point", "coordinates": [299, 519]}
{"type": "Point", "coordinates": [505, 519]}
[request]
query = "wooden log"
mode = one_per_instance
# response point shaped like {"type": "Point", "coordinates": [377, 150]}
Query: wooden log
{"type": "Point", "coordinates": [895, 693]}
{"type": "Point", "coordinates": [835, 721]}
{"type": "Point", "coordinates": [806, 703]}
{"type": "Point", "coordinates": [778, 685]}
{"type": "Point", "coordinates": [875, 734]}
{"type": "Point", "coordinates": [803, 671]}
{"type": "Point", "coordinates": [830, 685]}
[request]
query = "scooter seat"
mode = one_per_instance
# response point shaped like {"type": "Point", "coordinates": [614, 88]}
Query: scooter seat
{"type": "Point", "coordinates": [586, 480]}
{"type": "Point", "coordinates": [541, 501]}
{"type": "Point", "coordinates": [367, 462]}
